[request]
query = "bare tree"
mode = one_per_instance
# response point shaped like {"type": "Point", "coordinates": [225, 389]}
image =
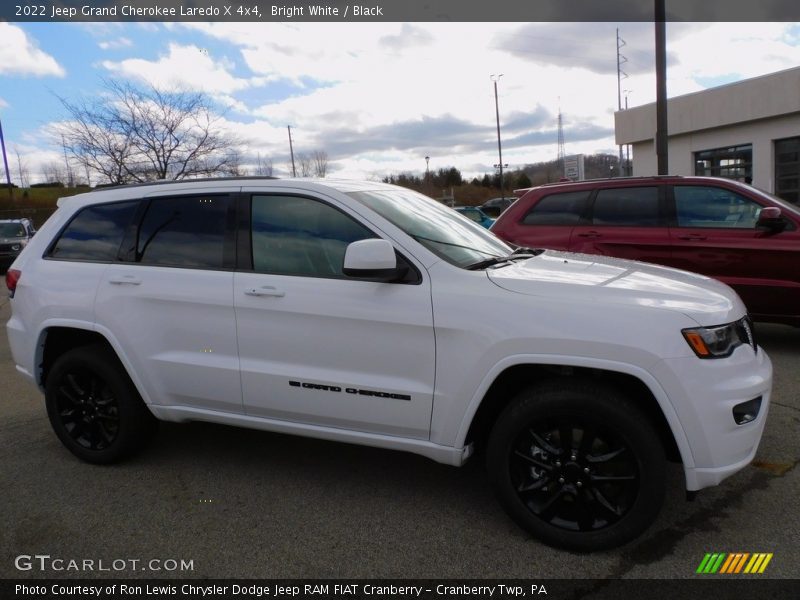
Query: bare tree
{"type": "Point", "coordinates": [22, 168]}
{"type": "Point", "coordinates": [320, 161]}
{"type": "Point", "coordinates": [134, 134]}
{"type": "Point", "coordinates": [53, 172]}
{"type": "Point", "coordinates": [305, 163]}
{"type": "Point", "coordinates": [263, 166]}
{"type": "Point", "coordinates": [234, 166]}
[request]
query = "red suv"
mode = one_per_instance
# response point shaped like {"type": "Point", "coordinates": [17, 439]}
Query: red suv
{"type": "Point", "coordinates": [740, 235]}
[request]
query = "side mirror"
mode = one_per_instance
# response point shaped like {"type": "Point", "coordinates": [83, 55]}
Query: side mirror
{"type": "Point", "coordinates": [371, 259]}
{"type": "Point", "coordinates": [770, 218]}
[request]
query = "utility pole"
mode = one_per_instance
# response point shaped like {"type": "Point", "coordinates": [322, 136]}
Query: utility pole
{"type": "Point", "coordinates": [499, 146]}
{"type": "Point", "coordinates": [291, 150]}
{"type": "Point", "coordinates": [620, 75]}
{"type": "Point", "coordinates": [662, 150]}
{"type": "Point", "coordinates": [5, 163]}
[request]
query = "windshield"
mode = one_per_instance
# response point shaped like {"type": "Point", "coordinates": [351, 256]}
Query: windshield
{"type": "Point", "coordinates": [8, 230]}
{"type": "Point", "coordinates": [440, 229]}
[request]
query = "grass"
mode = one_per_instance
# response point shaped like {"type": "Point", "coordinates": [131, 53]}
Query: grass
{"type": "Point", "coordinates": [35, 203]}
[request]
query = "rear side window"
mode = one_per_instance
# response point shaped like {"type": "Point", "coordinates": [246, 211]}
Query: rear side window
{"type": "Point", "coordinates": [187, 231]}
{"type": "Point", "coordinates": [301, 236]}
{"type": "Point", "coordinates": [630, 206]}
{"type": "Point", "coordinates": [557, 209]}
{"type": "Point", "coordinates": [95, 233]}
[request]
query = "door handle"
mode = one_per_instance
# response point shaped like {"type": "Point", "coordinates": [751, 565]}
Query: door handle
{"type": "Point", "coordinates": [124, 280]}
{"type": "Point", "coordinates": [692, 238]}
{"type": "Point", "coordinates": [590, 234]}
{"type": "Point", "coordinates": [267, 290]}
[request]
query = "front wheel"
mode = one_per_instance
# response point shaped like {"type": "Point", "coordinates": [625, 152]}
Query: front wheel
{"type": "Point", "coordinates": [94, 408]}
{"type": "Point", "coordinates": [577, 465]}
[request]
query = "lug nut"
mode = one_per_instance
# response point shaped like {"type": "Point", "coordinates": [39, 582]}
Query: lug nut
{"type": "Point", "coordinates": [586, 470]}
{"type": "Point", "coordinates": [579, 484]}
{"type": "Point", "coordinates": [560, 480]}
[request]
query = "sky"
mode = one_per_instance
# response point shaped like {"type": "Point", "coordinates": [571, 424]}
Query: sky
{"type": "Point", "coordinates": [377, 97]}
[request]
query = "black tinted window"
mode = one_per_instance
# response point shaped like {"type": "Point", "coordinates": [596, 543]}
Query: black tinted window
{"type": "Point", "coordinates": [95, 233]}
{"type": "Point", "coordinates": [300, 236]}
{"type": "Point", "coordinates": [557, 209]}
{"type": "Point", "coordinates": [184, 232]}
{"type": "Point", "coordinates": [627, 206]}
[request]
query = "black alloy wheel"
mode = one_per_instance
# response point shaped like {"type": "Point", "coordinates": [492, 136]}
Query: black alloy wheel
{"type": "Point", "coordinates": [94, 408]}
{"type": "Point", "coordinates": [577, 464]}
{"type": "Point", "coordinates": [88, 409]}
{"type": "Point", "coordinates": [573, 476]}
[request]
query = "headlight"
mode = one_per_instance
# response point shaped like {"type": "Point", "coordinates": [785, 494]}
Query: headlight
{"type": "Point", "coordinates": [720, 341]}
{"type": "Point", "coordinates": [16, 247]}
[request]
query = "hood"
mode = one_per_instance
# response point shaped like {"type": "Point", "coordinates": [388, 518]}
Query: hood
{"type": "Point", "coordinates": [599, 280]}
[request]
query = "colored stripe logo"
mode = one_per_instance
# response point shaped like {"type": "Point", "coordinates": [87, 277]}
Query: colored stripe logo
{"type": "Point", "coordinates": [734, 563]}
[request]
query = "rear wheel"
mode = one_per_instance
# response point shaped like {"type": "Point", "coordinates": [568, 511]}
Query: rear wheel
{"type": "Point", "coordinates": [577, 465]}
{"type": "Point", "coordinates": [94, 408]}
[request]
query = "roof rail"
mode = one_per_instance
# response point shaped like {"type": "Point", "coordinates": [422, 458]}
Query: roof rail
{"type": "Point", "coordinates": [114, 186]}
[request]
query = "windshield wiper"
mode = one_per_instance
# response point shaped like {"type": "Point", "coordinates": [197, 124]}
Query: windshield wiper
{"type": "Point", "coordinates": [419, 237]}
{"type": "Point", "coordinates": [496, 260]}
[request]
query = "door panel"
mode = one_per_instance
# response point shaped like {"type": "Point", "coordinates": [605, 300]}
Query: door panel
{"type": "Point", "coordinates": [625, 222]}
{"type": "Point", "coordinates": [318, 347]}
{"type": "Point", "coordinates": [178, 330]}
{"type": "Point", "coordinates": [171, 302]}
{"type": "Point", "coordinates": [715, 234]}
{"type": "Point", "coordinates": [341, 353]}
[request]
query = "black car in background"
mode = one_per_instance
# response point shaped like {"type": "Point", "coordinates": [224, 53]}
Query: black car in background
{"type": "Point", "coordinates": [14, 235]}
{"type": "Point", "coordinates": [495, 206]}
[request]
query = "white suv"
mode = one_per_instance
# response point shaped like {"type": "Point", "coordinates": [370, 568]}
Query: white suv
{"type": "Point", "coordinates": [370, 314]}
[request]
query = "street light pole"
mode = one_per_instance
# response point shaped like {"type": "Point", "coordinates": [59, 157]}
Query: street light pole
{"type": "Point", "coordinates": [495, 78]}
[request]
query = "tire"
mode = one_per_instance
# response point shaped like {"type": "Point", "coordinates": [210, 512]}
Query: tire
{"type": "Point", "coordinates": [94, 407]}
{"type": "Point", "coordinates": [577, 465]}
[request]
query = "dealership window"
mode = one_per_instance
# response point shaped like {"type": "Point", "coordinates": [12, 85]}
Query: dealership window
{"type": "Point", "coordinates": [734, 162]}
{"type": "Point", "coordinates": [787, 169]}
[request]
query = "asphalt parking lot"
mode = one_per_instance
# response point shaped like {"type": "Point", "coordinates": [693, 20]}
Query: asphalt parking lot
{"type": "Point", "coordinates": [246, 504]}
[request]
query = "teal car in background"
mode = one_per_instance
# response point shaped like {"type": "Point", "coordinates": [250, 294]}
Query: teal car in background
{"type": "Point", "coordinates": [476, 214]}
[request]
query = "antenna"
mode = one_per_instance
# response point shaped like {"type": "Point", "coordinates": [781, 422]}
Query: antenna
{"type": "Point", "coordinates": [621, 60]}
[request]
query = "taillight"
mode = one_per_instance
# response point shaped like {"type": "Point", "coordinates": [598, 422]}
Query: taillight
{"type": "Point", "coordinates": [12, 277]}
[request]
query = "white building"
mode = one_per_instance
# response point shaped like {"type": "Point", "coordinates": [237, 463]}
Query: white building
{"type": "Point", "coordinates": [748, 131]}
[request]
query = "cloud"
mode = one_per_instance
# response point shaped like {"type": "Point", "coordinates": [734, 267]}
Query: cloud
{"type": "Point", "coordinates": [116, 44]}
{"type": "Point", "coordinates": [3, 103]}
{"type": "Point", "coordinates": [19, 55]}
{"type": "Point", "coordinates": [186, 67]}
{"type": "Point", "coordinates": [379, 97]}
{"type": "Point", "coordinates": [409, 36]}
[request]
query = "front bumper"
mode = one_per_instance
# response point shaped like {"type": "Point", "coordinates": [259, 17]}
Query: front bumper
{"type": "Point", "coordinates": [704, 393]}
